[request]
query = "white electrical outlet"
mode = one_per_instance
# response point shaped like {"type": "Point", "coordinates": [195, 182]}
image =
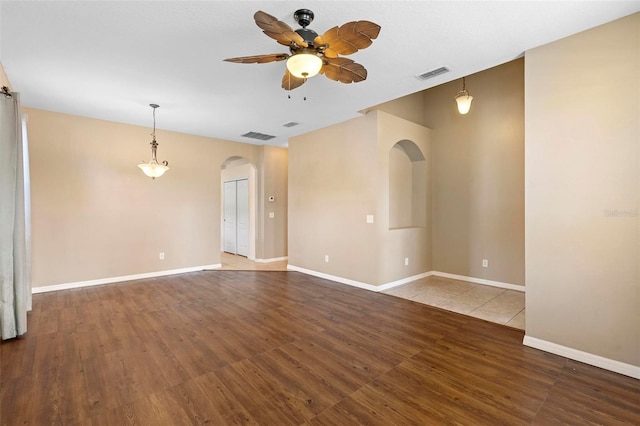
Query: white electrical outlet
{"type": "Point", "coordinates": [161, 255]}
{"type": "Point", "coordinates": [406, 261]}
{"type": "Point", "coordinates": [369, 218]}
{"type": "Point", "coordinates": [326, 258]}
{"type": "Point", "coordinates": [485, 263]}
{"type": "Point", "coordinates": [272, 215]}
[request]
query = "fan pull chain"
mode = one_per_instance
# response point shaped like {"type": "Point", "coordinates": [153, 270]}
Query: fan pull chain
{"type": "Point", "coordinates": [305, 90]}
{"type": "Point", "coordinates": [304, 96]}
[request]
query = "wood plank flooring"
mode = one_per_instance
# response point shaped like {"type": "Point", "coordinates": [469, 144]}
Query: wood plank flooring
{"type": "Point", "coordinates": [284, 348]}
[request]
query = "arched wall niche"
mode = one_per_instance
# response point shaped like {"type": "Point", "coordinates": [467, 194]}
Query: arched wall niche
{"type": "Point", "coordinates": [407, 186]}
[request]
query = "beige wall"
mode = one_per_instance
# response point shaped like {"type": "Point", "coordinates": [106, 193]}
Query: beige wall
{"type": "Point", "coordinates": [477, 172]}
{"type": "Point", "coordinates": [414, 243]}
{"type": "Point", "coordinates": [583, 190]}
{"type": "Point", "coordinates": [478, 175]}
{"type": "Point", "coordinates": [338, 176]}
{"type": "Point", "coordinates": [410, 107]}
{"type": "Point", "coordinates": [273, 183]}
{"type": "Point", "coordinates": [332, 187]}
{"type": "Point", "coordinates": [96, 215]}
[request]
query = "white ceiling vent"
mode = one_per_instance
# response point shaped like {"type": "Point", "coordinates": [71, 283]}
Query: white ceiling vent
{"type": "Point", "coordinates": [256, 135]}
{"type": "Point", "coordinates": [290, 124]}
{"type": "Point", "coordinates": [433, 73]}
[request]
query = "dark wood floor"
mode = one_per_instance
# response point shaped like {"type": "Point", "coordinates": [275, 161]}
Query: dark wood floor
{"type": "Point", "coordinates": [283, 348]}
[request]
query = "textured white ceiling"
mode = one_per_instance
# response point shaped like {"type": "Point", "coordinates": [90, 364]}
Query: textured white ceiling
{"type": "Point", "coordinates": [111, 59]}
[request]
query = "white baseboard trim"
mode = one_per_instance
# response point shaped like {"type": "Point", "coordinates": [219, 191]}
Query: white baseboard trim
{"type": "Point", "coordinates": [274, 259]}
{"type": "Point", "coordinates": [111, 280]}
{"type": "Point", "coordinates": [585, 357]}
{"type": "Point", "coordinates": [392, 284]}
{"type": "Point", "coordinates": [480, 281]}
{"type": "Point", "coordinates": [332, 278]}
{"type": "Point", "coordinates": [358, 284]}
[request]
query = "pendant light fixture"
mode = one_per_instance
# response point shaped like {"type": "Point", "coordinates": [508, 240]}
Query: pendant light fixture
{"type": "Point", "coordinates": [153, 169]}
{"type": "Point", "coordinates": [463, 99]}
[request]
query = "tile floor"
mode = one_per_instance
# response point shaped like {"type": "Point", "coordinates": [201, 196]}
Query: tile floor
{"type": "Point", "coordinates": [232, 262]}
{"type": "Point", "coordinates": [481, 301]}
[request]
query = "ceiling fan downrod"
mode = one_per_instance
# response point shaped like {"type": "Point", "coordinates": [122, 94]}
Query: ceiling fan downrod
{"type": "Point", "coordinates": [303, 17]}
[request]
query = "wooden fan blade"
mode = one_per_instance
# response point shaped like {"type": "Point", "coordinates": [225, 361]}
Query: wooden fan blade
{"type": "Point", "coordinates": [324, 47]}
{"type": "Point", "coordinates": [351, 37]}
{"type": "Point", "coordinates": [290, 82]}
{"type": "Point", "coordinates": [278, 30]}
{"type": "Point", "coordinates": [330, 53]}
{"type": "Point", "coordinates": [259, 59]}
{"type": "Point", "coordinates": [344, 70]}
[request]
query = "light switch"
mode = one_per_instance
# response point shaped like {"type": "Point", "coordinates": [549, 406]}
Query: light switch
{"type": "Point", "coordinates": [272, 215]}
{"type": "Point", "coordinates": [369, 218]}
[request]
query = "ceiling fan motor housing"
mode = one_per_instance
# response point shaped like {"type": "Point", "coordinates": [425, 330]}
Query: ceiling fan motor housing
{"type": "Point", "coordinates": [307, 34]}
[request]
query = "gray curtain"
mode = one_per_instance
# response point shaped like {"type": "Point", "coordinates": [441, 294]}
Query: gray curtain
{"type": "Point", "coordinates": [15, 279]}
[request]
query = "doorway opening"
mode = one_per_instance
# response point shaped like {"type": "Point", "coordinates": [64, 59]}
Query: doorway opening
{"type": "Point", "coordinates": [239, 203]}
{"type": "Point", "coordinates": [236, 216]}
{"type": "Point", "coordinates": [238, 207]}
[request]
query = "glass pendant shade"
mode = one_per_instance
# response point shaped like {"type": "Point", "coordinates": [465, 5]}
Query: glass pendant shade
{"type": "Point", "coordinates": [464, 102]}
{"type": "Point", "coordinates": [463, 99]}
{"type": "Point", "coordinates": [153, 169]}
{"type": "Point", "coordinates": [304, 65]}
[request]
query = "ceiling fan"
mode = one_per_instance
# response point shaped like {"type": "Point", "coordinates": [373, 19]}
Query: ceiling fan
{"type": "Point", "coordinates": [311, 53]}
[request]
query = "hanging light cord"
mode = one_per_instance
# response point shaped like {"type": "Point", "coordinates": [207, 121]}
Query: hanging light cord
{"type": "Point", "coordinates": [154, 143]}
{"type": "Point", "coordinates": [463, 92]}
{"type": "Point", "coordinates": [154, 123]}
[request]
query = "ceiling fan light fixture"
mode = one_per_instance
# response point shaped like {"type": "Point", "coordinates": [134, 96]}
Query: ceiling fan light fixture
{"type": "Point", "coordinates": [463, 98]}
{"type": "Point", "coordinates": [304, 64]}
{"type": "Point", "coordinates": [310, 53]}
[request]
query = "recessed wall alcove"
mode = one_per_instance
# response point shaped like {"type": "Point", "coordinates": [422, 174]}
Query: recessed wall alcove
{"type": "Point", "coordinates": [407, 186]}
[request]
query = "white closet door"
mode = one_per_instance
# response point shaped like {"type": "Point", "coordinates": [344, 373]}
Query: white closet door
{"type": "Point", "coordinates": [230, 228]}
{"type": "Point", "coordinates": [242, 216]}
